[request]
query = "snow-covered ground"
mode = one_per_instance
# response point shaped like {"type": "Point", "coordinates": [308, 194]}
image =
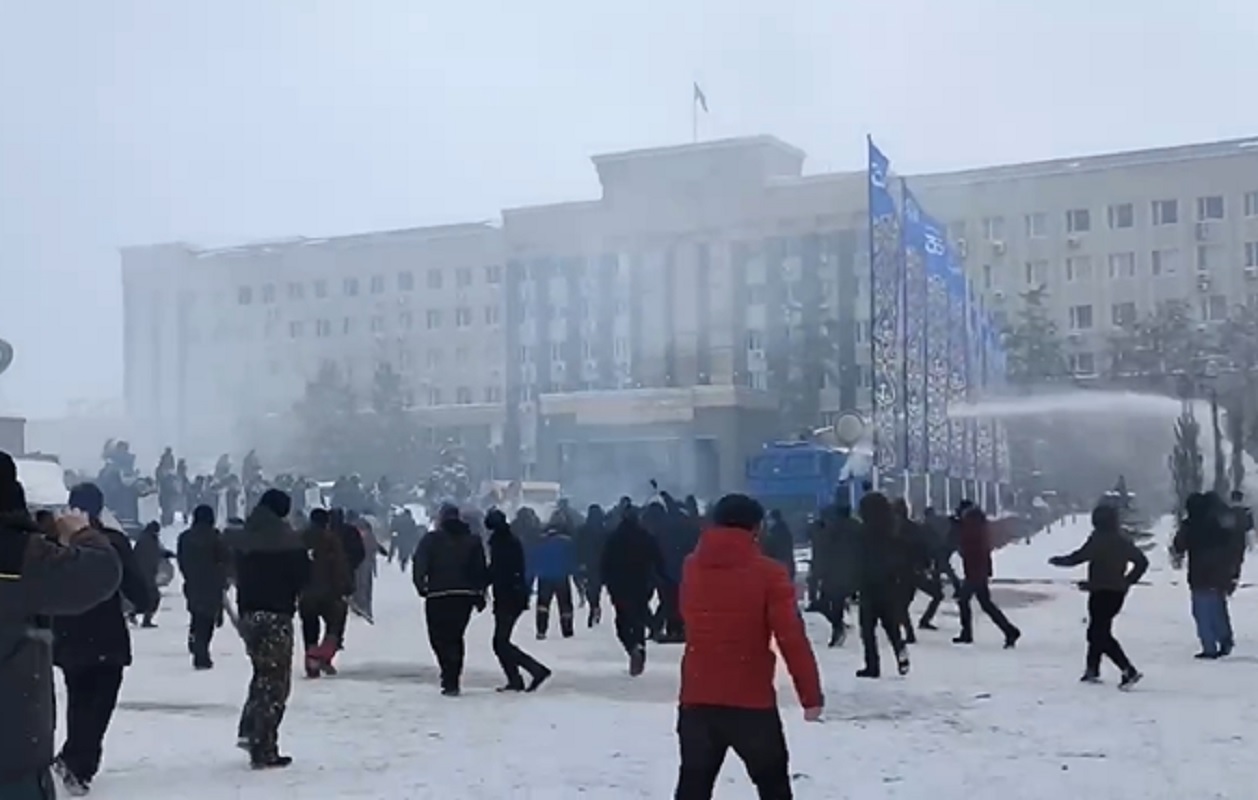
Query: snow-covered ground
{"type": "Point", "coordinates": [970, 722]}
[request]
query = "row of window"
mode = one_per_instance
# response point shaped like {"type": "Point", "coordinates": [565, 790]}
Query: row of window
{"type": "Point", "coordinates": [376, 284]}
{"type": "Point", "coordinates": [1118, 216]}
{"type": "Point", "coordinates": [434, 319]}
{"type": "Point", "coordinates": [1213, 308]}
{"type": "Point", "coordinates": [1162, 262]}
{"type": "Point", "coordinates": [589, 351]}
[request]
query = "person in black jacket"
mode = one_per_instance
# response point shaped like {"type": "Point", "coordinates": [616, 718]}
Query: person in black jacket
{"type": "Point", "coordinates": [632, 565]}
{"type": "Point", "coordinates": [879, 593]}
{"type": "Point", "coordinates": [203, 563]}
{"type": "Point", "coordinates": [1212, 571]}
{"type": "Point", "coordinates": [93, 649]}
{"type": "Point", "coordinates": [272, 569]}
{"type": "Point", "coordinates": [1107, 552]}
{"type": "Point", "coordinates": [511, 600]}
{"type": "Point", "coordinates": [149, 555]}
{"type": "Point", "coordinates": [66, 570]}
{"type": "Point", "coordinates": [450, 573]}
{"type": "Point", "coordinates": [592, 536]}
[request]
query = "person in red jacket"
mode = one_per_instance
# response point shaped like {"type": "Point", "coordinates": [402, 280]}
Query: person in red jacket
{"type": "Point", "coordinates": [734, 600]}
{"type": "Point", "coordinates": [974, 544]}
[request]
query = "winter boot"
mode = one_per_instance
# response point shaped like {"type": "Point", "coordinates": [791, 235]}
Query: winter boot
{"type": "Point", "coordinates": [314, 667]}
{"type": "Point", "coordinates": [565, 625]}
{"type": "Point", "coordinates": [964, 638]}
{"type": "Point", "coordinates": [539, 677]}
{"type": "Point", "coordinates": [927, 625]}
{"type": "Point", "coordinates": [595, 617]}
{"type": "Point", "coordinates": [74, 786]}
{"type": "Point", "coordinates": [1130, 678]}
{"type": "Point", "coordinates": [902, 662]}
{"type": "Point", "coordinates": [543, 622]}
{"type": "Point", "coordinates": [1090, 677]}
{"type": "Point", "coordinates": [260, 761]}
{"type": "Point", "coordinates": [637, 661]}
{"type": "Point", "coordinates": [1011, 640]}
{"type": "Point", "coordinates": [326, 654]}
{"type": "Point", "coordinates": [869, 672]}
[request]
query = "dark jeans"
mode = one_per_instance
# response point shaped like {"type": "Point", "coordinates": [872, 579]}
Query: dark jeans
{"type": "Point", "coordinates": [929, 584]}
{"type": "Point", "coordinates": [879, 607]}
{"type": "Point", "coordinates": [200, 634]}
{"type": "Point", "coordinates": [706, 733]}
{"type": "Point", "coordinates": [447, 619]}
{"type": "Point", "coordinates": [510, 657]}
{"type": "Point", "coordinates": [1214, 623]}
{"type": "Point", "coordinates": [632, 616]}
{"type": "Point", "coordinates": [1103, 606]}
{"type": "Point", "coordinates": [38, 786]}
{"type": "Point", "coordinates": [321, 620]}
{"type": "Point", "coordinates": [269, 640]}
{"type": "Point", "coordinates": [91, 697]}
{"type": "Point", "coordinates": [981, 591]}
{"type": "Point", "coordinates": [559, 589]}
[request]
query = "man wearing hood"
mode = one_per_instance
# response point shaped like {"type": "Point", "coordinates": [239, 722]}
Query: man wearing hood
{"type": "Point", "coordinates": [737, 603]}
{"type": "Point", "coordinates": [203, 563]}
{"type": "Point", "coordinates": [450, 573]}
{"type": "Point", "coordinates": [150, 554]}
{"type": "Point", "coordinates": [511, 599]}
{"type": "Point", "coordinates": [1212, 572]}
{"type": "Point", "coordinates": [632, 566]}
{"type": "Point", "coordinates": [272, 569]}
{"type": "Point", "coordinates": [40, 577]}
{"type": "Point", "coordinates": [592, 536]}
{"type": "Point", "coordinates": [93, 649]}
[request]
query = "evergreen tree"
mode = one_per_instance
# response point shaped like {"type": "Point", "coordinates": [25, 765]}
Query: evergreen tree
{"type": "Point", "coordinates": [394, 434]}
{"type": "Point", "coordinates": [329, 431]}
{"type": "Point", "coordinates": [1185, 460]}
{"type": "Point", "coordinates": [1034, 347]}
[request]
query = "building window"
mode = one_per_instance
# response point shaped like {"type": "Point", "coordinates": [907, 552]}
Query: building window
{"type": "Point", "coordinates": [493, 394]}
{"type": "Point", "coordinates": [1205, 259]}
{"type": "Point", "coordinates": [491, 315]}
{"type": "Point", "coordinates": [406, 320]}
{"type": "Point", "coordinates": [462, 317]}
{"type": "Point", "coordinates": [406, 281]}
{"type": "Point", "coordinates": [1165, 212]}
{"type": "Point", "coordinates": [296, 291]}
{"type": "Point", "coordinates": [1251, 254]}
{"type": "Point", "coordinates": [987, 276]}
{"type": "Point", "coordinates": [377, 284]}
{"type": "Point", "coordinates": [351, 287]}
{"type": "Point", "coordinates": [1123, 314]}
{"type": "Point", "coordinates": [1122, 215]}
{"type": "Point", "coordinates": [1036, 273]}
{"type": "Point", "coordinates": [493, 274]}
{"type": "Point", "coordinates": [321, 289]}
{"type": "Point", "coordinates": [347, 325]}
{"type": "Point", "coordinates": [377, 323]}
{"type": "Point", "coordinates": [755, 341]}
{"type": "Point", "coordinates": [1251, 204]}
{"type": "Point", "coordinates": [294, 329]}
{"type": "Point", "coordinates": [463, 277]}
{"type": "Point", "coordinates": [994, 229]}
{"type": "Point", "coordinates": [244, 295]}
{"type": "Point", "coordinates": [556, 351]}
{"type": "Point", "coordinates": [463, 396]}
{"type": "Point", "coordinates": [1210, 208]}
{"type": "Point", "coordinates": [621, 349]}
{"type": "Point", "coordinates": [434, 396]}
{"type": "Point", "coordinates": [434, 319]}
{"type": "Point", "coordinates": [268, 293]}
{"type": "Point", "coordinates": [526, 354]}
{"type": "Point", "coordinates": [1036, 225]}
{"type": "Point", "coordinates": [759, 380]}
{"type": "Point", "coordinates": [1214, 308]}
{"type": "Point", "coordinates": [1083, 364]}
{"type": "Point", "coordinates": [323, 328]}
{"type": "Point", "coordinates": [434, 279]}
{"type": "Point", "coordinates": [432, 358]}
{"type": "Point", "coordinates": [1081, 318]}
{"type": "Point", "coordinates": [1163, 262]}
{"type": "Point", "coordinates": [1078, 268]}
{"type": "Point", "coordinates": [1122, 265]}
{"type": "Point", "coordinates": [1078, 220]}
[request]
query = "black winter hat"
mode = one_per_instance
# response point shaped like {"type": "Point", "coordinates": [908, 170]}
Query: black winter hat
{"type": "Point", "coordinates": [447, 511]}
{"type": "Point", "coordinates": [88, 498]}
{"type": "Point", "coordinates": [738, 511]}
{"type": "Point", "coordinates": [12, 496]}
{"type": "Point", "coordinates": [277, 502]}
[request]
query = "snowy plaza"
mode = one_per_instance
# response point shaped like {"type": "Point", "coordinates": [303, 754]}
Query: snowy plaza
{"type": "Point", "coordinates": [969, 722]}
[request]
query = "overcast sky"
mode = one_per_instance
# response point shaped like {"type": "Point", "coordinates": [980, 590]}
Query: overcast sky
{"type": "Point", "coordinates": [136, 121]}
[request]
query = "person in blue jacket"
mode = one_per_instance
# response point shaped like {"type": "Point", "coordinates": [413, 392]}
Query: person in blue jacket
{"type": "Point", "coordinates": [554, 565]}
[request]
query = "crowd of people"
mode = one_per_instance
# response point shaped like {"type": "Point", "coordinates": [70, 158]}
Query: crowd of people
{"type": "Point", "coordinates": [722, 581]}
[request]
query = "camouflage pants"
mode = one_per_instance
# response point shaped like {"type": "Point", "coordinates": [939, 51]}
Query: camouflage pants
{"type": "Point", "coordinates": [269, 640]}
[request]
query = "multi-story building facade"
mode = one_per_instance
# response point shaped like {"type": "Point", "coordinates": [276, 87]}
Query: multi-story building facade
{"type": "Point", "coordinates": [713, 297]}
{"type": "Point", "coordinates": [221, 343]}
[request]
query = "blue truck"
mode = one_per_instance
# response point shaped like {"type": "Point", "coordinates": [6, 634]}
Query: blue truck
{"type": "Point", "coordinates": [798, 478]}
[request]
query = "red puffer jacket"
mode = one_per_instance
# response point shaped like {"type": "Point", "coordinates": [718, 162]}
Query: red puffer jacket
{"type": "Point", "coordinates": [733, 601]}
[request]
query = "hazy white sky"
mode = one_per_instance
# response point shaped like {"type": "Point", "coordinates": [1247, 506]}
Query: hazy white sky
{"type": "Point", "coordinates": [136, 121]}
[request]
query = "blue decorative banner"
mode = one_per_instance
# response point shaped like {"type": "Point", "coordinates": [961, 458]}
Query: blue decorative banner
{"type": "Point", "coordinates": [914, 321]}
{"type": "Point", "coordinates": [985, 439]}
{"type": "Point", "coordinates": [999, 375]}
{"type": "Point", "coordinates": [886, 290]}
{"type": "Point", "coordinates": [958, 376]}
{"type": "Point", "coordinates": [937, 355]}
